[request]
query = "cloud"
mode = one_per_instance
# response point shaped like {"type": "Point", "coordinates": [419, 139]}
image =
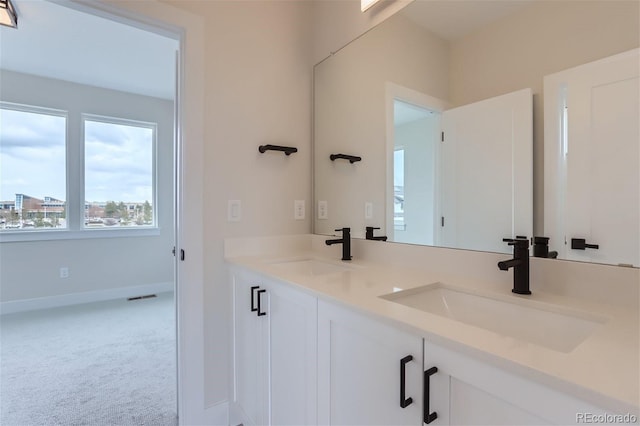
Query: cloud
{"type": "Point", "coordinates": [118, 158]}
{"type": "Point", "coordinates": [20, 129]}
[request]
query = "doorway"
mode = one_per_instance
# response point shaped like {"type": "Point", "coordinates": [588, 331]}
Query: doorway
{"type": "Point", "coordinates": [90, 256]}
{"type": "Point", "coordinates": [415, 154]}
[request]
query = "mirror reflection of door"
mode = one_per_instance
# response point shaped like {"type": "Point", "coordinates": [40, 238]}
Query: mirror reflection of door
{"type": "Point", "coordinates": [597, 106]}
{"type": "Point", "coordinates": [487, 190]}
{"type": "Point", "coordinates": [462, 177]}
{"type": "Point", "coordinates": [416, 131]}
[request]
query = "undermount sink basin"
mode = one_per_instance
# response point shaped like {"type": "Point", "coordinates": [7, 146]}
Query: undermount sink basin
{"type": "Point", "coordinates": [310, 267]}
{"type": "Point", "coordinates": [546, 325]}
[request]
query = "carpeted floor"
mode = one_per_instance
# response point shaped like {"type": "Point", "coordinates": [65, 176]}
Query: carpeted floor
{"type": "Point", "coordinates": [104, 363]}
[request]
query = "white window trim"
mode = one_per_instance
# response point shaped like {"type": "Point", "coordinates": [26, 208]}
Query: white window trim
{"type": "Point", "coordinates": [66, 234]}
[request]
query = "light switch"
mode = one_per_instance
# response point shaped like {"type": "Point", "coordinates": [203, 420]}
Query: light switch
{"type": "Point", "coordinates": [298, 209]}
{"type": "Point", "coordinates": [323, 210]}
{"type": "Point", "coordinates": [234, 211]}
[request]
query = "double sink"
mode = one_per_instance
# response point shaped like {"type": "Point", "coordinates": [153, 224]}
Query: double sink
{"type": "Point", "coordinates": [552, 326]}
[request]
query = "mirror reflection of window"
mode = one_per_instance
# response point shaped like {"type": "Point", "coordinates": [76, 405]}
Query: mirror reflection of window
{"type": "Point", "coordinates": [398, 190]}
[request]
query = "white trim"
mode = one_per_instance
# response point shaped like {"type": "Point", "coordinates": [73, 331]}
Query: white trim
{"type": "Point", "coordinates": [218, 414]}
{"type": "Point", "coordinates": [65, 234]}
{"type": "Point", "coordinates": [24, 305]}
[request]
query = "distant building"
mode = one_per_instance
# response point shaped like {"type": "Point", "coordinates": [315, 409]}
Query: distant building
{"type": "Point", "coordinates": [26, 211]}
{"type": "Point", "coordinates": [28, 207]}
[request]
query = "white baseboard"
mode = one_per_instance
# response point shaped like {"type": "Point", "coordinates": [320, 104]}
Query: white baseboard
{"type": "Point", "coordinates": [84, 297]}
{"type": "Point", "coordinates": [218, 414]}
{"type": "Point", "coordinates": [236, 415]}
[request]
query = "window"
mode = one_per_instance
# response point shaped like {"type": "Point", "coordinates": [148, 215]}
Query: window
{"type": "Point", "coordinates": [41, 190]}
{"type": "Point", "coordinates": [32, 168]}
{"type": "Point", "coordinates": [398, 190]}
{"type": "Point", "coordinates": [118, 173]}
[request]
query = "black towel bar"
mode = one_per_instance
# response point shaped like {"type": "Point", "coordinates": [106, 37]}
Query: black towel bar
{"type": "Point", "coordinates": [352, 158]}
{"type": "Point", "coordinates": [286, 149]}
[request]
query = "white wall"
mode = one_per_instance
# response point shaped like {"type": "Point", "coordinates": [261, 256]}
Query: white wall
{"type": "Point", "coordinates": [338, 22]}
{"type": "Point", "coordinates": [258, 68]}
{"type": "Point", "coordinates": [30, 270]}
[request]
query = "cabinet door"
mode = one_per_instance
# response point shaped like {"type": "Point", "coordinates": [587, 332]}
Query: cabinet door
{"type": "Point", "coordinates": [465, 391]}
{"type": "Point", "coordinates": [292, 359]}
{"type": "Point", "coordinates": [249, 393]}
{"type": "Point", "coordinates": [359, 373]}
{"type": "Point", "coordinates": [275, 356]}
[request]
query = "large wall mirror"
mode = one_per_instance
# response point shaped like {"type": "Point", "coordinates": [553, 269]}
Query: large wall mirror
{"type": "Point", "coordinates": [442, 104]}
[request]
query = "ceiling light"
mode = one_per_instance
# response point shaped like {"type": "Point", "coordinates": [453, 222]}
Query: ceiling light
{"type": "Point", "coordinates": [8, 15]}
{"type": "Point", "coordinates": [366, 4]}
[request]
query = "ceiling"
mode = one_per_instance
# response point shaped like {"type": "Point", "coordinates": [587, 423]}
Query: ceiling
{"type": "Point", "coordinates": [56, 41]}
{"type": "Point", "coordinates": [453, 19]}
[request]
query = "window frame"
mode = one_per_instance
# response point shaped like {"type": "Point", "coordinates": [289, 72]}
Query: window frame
{"type": "Point", "coordinates": [84, 117]}
{"type": "Point", "coordinates": [75, 188]}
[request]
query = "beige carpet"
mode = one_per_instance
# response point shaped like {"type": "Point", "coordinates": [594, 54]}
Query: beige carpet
{"type": "Point", "coordinates": [105, 363]}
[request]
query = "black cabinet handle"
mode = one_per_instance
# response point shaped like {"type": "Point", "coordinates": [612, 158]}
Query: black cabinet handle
{"type": "Point", "coordinates": [260, 313]}
{"type": "Point", "coordinates": [253, 307]}
{"type": "Point", "coordinates": [428, 416]}
{"type": "Point", "coordinates": [581, 244]}
{"type": "Point", "coordinates": [404, 402]}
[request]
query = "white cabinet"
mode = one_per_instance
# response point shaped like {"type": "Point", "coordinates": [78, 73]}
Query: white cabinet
{"type": "Point", "coordinates": [466, 391]}
{"type": "Point", "coordinates": [359, 370]}
{"type": "Point", "coordinates": [302, 361]}
{"type": "Point", "coordinates": [274, 353]}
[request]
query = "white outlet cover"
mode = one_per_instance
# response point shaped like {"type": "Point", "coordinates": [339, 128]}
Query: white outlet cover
{"type": "Point", "coordinates": [323, 210]}
{"type": "Point", "coordinates": [234, 211]}
{"type": "Point", "coordinates": [298, 209]}
{"type": "Point", "coordinates": [368, 210]}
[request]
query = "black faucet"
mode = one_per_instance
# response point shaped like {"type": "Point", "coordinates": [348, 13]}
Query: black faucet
{"type": "Point", "coordinates": [541, 248]}
{"type": "Point", "coordinates": [369, 234]}
{"type": "Point", "coordinates": [345, 241]}
{"type": "Point", "coordinates": [519, 263]}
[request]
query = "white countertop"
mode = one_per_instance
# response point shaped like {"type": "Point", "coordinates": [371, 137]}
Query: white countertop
{"type": "Point", "coordinates": [603, 370]}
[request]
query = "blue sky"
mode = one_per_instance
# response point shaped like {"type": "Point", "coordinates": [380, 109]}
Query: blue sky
{"type": "Point", "coordinates": [118, 158]}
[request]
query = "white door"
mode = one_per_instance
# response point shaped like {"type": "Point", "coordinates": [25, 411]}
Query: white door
{"type": "Point", "coordinates": [603, 161]}
{"type": "Point", "coordinates": [487, 172]}
{"type": "Point", "coordinates": [360, 381]}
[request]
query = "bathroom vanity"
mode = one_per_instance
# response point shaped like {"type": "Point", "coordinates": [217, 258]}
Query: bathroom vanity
{"type": "Point", "coordinates": [409, 334]}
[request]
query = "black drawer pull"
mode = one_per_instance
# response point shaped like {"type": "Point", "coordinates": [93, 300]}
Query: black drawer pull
{"type": "Point", "coordinates": [404, 402]}
{"type": "Point", "coordinates": [253, 307]}
{"type": "Point", "coordinates": [428, 416]}
{"type": "Point", "coordinates": [260, 313]}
